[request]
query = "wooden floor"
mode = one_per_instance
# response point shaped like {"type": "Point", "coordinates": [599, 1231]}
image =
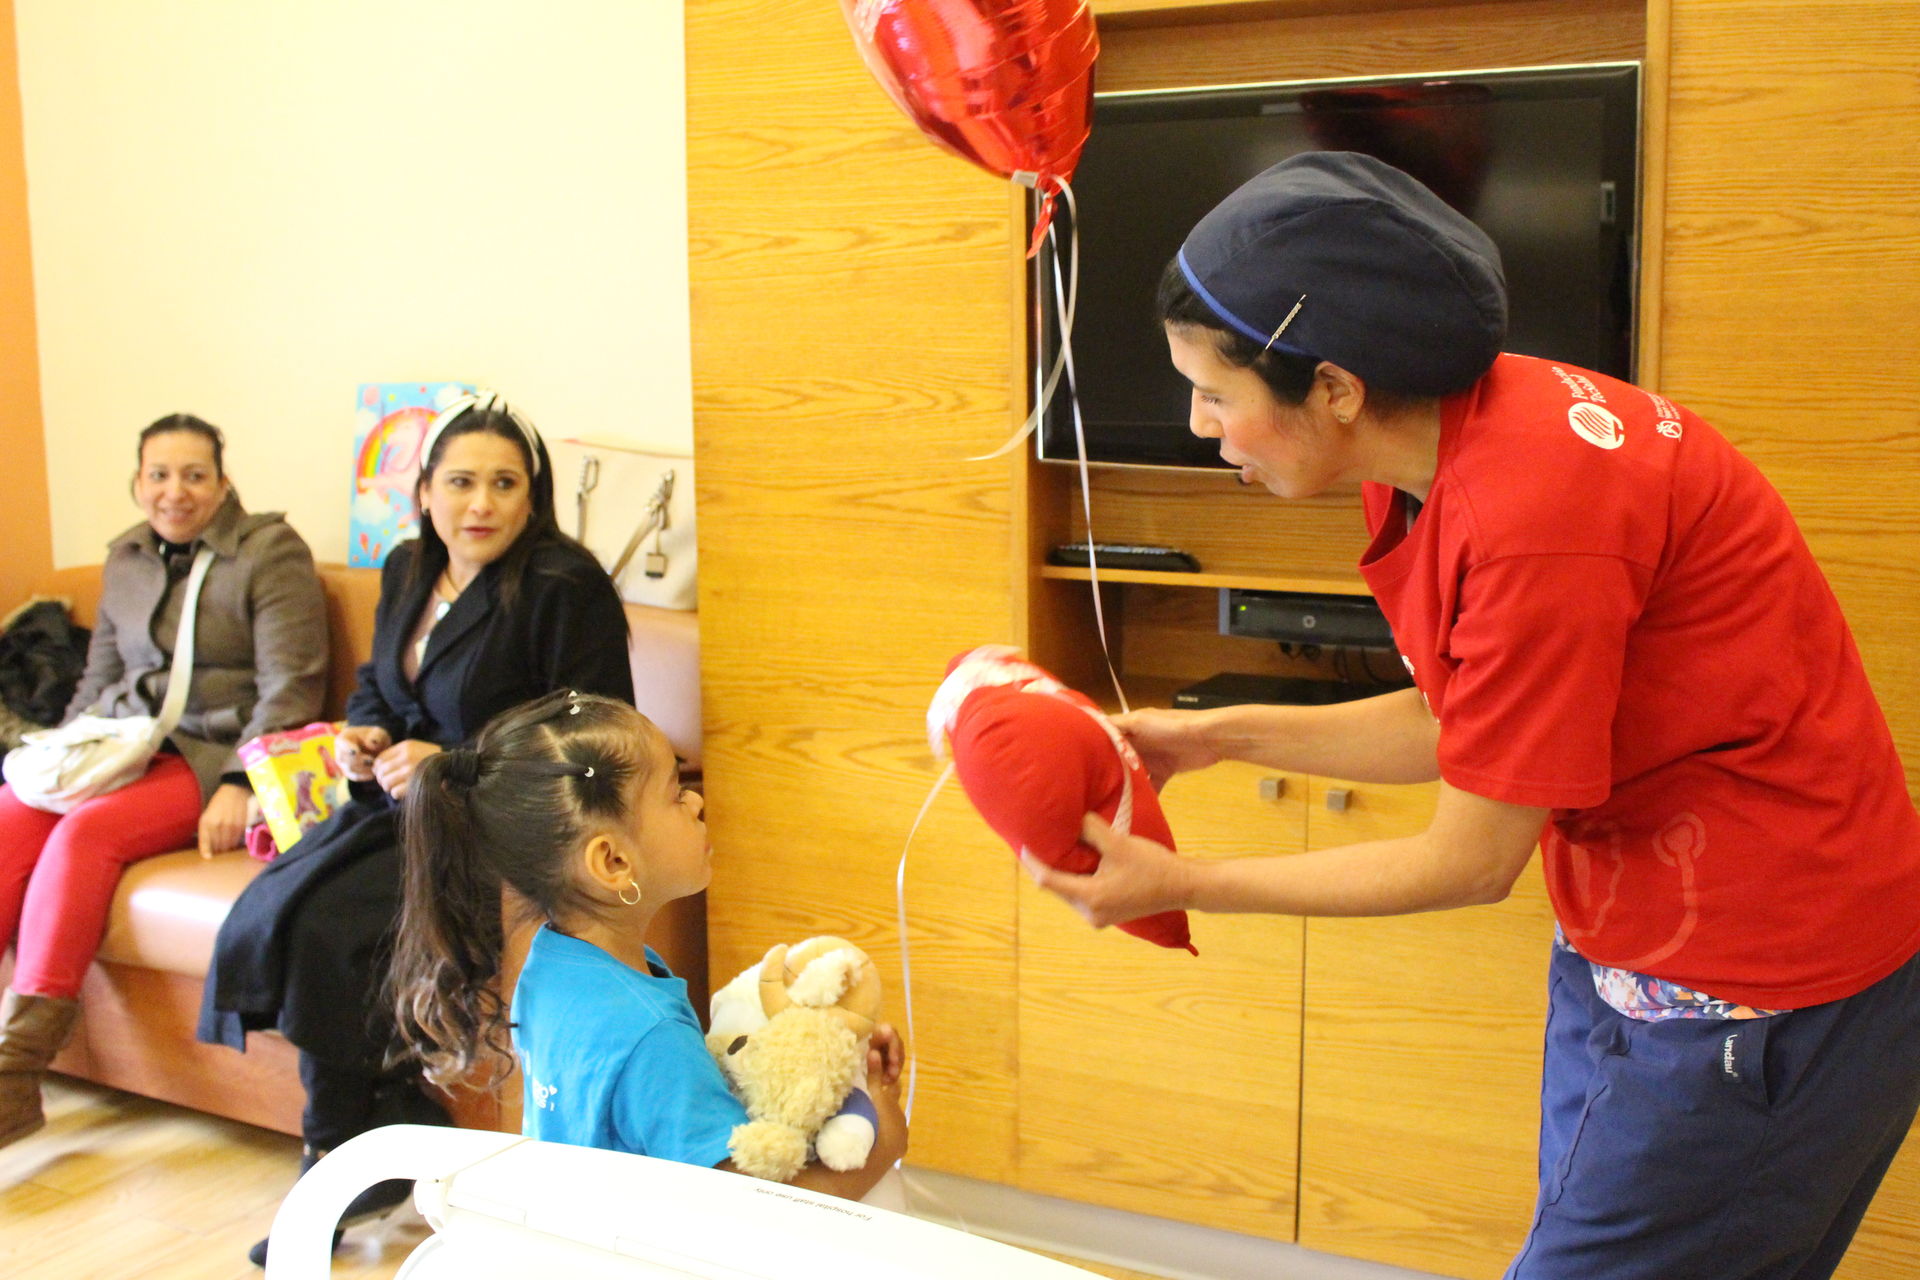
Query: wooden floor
{"type": "Point", "coordinates": [118, 1186]}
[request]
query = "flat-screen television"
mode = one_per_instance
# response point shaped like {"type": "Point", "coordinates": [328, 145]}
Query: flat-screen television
{"type": "Point", "coordinates": [1544, 159]}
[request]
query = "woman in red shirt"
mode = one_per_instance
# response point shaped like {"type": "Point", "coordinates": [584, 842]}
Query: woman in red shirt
{"type": "Point", "coordinates": [1622, 652]}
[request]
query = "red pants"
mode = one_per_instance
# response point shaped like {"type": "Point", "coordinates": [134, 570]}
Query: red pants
{"type": "Point", "coordinates": [58, 871]}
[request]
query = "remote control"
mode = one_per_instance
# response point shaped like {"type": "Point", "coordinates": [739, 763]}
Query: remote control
{"type": "Point", "coordinates": [1113, 555]}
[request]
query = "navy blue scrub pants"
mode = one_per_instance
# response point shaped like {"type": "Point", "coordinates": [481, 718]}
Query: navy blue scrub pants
{"type": "Point", "coordinates": [1696, 1149]}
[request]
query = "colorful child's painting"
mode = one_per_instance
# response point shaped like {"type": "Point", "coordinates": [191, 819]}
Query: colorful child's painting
{"type": "Point", "coordinates": [392, 421]}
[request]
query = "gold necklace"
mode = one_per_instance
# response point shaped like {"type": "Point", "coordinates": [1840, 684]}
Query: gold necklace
{"type": "Point", "coordinates": [453, 590]}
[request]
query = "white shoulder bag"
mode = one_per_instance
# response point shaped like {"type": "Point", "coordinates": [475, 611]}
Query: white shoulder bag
{"type": "Point", "coordinates": [634, 511]}
{"type": "Point", "coordinates": [90, 755]}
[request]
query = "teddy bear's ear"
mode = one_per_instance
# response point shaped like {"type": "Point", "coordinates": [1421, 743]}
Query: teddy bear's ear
{"type": "Point", "coordinates": [773, 986]}
{"type": "Point", "coordinates": [826, 978]}
{"type": "Point", "coordinates": [802, 954]}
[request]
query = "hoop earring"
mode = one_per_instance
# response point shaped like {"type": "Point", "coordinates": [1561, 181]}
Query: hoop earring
{"type": "Point", "coordinates": [637, 895]}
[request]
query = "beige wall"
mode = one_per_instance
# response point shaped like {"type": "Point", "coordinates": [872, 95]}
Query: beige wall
{"type": "Point", "coordinates": [244, 210]}
{"type": "Point", "coordinates": [23, 515]}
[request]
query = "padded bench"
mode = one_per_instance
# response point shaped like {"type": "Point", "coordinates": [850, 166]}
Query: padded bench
{"type": "Point", "coordinates": [141, 998]}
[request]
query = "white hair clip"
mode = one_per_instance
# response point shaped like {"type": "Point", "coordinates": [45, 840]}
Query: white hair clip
{"type": "Point", "coordinates": [482, 402]}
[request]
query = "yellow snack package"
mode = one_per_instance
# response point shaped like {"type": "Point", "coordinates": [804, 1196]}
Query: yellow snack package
{"type": "Point", "coordinates": [295, 778]}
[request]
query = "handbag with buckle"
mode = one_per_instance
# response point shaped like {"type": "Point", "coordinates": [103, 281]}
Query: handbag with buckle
{"type": "Point", "coordinates": [56, 769]}
{"type": "Point", "coordinates": [634, 511]}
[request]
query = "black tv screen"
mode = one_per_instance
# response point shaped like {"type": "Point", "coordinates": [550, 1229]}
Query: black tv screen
{"type": "Point", "coordinates": [1544, 159]}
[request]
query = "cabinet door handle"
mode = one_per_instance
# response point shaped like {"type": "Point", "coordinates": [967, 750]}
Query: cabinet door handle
{"type": "Point", "coordinates": [1273, 788]}
{"type": "Point", "coordinates": [1338, 799]}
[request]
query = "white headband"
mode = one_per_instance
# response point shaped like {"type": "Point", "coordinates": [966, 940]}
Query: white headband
{"type": "Point", "coordinates": [482, 402]}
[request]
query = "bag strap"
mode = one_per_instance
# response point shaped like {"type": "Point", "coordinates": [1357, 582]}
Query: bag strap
{"type": "Point", "coordinates": [180, 679]}
{"type": "Point", "coordinates": [656, 518]}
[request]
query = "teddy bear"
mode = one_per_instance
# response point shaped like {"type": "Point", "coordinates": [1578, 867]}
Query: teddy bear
{"type": "Point", "coordinates": [791, 1035]}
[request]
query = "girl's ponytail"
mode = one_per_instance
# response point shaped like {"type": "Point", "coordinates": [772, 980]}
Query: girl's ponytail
{"type": "Point", "coordinates": [447, 955]}
{"type": "Point", "coordinates": [506, 815]}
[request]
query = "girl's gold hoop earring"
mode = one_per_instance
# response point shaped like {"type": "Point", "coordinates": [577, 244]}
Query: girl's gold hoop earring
{"type": "Point", "coordinates": [637, 895]}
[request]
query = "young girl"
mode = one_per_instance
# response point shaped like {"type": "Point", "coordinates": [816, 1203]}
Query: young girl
{"type": "Point", "coordinates": [575, 803]}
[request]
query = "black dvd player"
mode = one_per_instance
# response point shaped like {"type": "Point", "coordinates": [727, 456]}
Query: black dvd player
{"type": "Point", "coordinates": [1296, 617]}
{"type": "Point", "coordinates": [1232, 689]}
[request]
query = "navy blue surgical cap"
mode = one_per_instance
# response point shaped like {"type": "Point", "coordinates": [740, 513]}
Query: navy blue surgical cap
{"type": "Point", "coordinates": [1399, 288]}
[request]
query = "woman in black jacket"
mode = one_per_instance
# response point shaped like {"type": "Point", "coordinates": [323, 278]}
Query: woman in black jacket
{"type": "Point", "coordinates": [490, 607]}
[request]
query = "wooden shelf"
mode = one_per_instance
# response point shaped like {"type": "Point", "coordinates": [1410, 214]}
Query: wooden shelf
{"type": "Point", "coordinates": [1146, 13]}
{"type": "Point", "coordinates": [1244, 581]}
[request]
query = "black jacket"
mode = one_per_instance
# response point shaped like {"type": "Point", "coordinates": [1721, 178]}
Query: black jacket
{"type": "Point", "coordinates": [567, 630]}
{"type": "Point", "coordinates": [303, 948]}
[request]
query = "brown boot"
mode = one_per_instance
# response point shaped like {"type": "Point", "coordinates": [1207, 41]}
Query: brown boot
{"type": "Point", "coordinates": [32, 1030]}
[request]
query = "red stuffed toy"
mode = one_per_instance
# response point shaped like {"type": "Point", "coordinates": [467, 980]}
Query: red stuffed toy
{"type": "Point", "coordinates": [1035, 757]}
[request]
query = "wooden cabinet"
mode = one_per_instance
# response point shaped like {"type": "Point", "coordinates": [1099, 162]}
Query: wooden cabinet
{"type": "Point", "coordinates": [1160, 1082]}
{"type": "Point", "coordinates": [1769, 101]}
{"type": "Point", "coordinates": [1373, 1081]}
{"type": "Point", "coordinates": [1420, 1064]}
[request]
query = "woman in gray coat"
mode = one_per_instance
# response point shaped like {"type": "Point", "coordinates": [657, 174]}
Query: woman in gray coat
{"type": "Point", "coordinates": [259, 664]}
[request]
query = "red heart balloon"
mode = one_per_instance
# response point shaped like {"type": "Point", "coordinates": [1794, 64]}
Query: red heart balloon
{"type": "Point", "coordinates": [1007, 84]}
{"type": "Point", "coordinates": [1035, 757]}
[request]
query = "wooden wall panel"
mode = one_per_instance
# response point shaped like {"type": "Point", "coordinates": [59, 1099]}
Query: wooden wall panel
{"type": "Point", "coordinates": [1792, 296]}
{"type": "Point", "coordinates": [852, 311]}
{"type": "Point", "coordinates": [1793, 285]}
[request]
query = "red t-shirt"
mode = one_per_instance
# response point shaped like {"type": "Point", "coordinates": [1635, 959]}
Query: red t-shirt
{"type": "Point", "coordinates": [1612, 614]}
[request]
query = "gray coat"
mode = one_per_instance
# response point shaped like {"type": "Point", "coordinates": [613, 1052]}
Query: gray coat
{"type": "Point", "coordinates": [260, 640]}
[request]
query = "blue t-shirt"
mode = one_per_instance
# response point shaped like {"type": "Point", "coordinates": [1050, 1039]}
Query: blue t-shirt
{"type": "Point", "coordinates": [614, 1058]}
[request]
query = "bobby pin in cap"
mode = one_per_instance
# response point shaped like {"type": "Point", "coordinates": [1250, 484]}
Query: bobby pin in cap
{"type": "Point", "coordinates": [1284, 323]}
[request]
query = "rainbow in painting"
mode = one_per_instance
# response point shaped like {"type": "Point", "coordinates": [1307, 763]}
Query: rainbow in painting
{"type": "Point", "coordinates": [391, 421]}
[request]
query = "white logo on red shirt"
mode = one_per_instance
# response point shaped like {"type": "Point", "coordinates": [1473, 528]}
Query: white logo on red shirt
{"type": "Point", "coordinates": [1597, 426]}
{"type": "Point", "coordinates": [1579, 384]}
{"type": "Point", "coordinates": [1669, 424]}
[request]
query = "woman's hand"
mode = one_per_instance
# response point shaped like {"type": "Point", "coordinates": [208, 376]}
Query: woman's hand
{"type": "Point", "coordinates": [1168, 742]}
{"type": "Point", "coordinates": [1136, 877]}
{"type": "Point", "coordinates": [223, 823]}
{"type": "Point", "coordinates": [886, 1055]}
{"type": "Point", "coordinates": [356, 747]}
{"type": "Point", "coordinates": [393, 768]}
